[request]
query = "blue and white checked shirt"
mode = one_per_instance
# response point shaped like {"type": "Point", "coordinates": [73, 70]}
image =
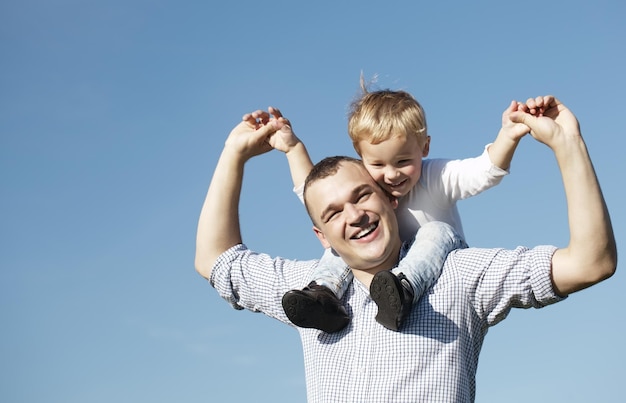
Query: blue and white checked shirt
{"type": "Point", "coordinates": [435, 356]}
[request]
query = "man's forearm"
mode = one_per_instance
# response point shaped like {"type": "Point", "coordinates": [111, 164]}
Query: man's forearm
{"type": "Point", "coordinates": [218, 226]}
{"type": "Point", "coordinates": [591, 255]}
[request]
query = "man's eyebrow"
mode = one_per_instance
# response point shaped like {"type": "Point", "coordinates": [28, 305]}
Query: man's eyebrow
{"type": "Point", "coordinates": [355, 192]}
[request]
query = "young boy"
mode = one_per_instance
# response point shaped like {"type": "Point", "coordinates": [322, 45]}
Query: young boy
{"type": "Point", "coordinates": [389, 132]}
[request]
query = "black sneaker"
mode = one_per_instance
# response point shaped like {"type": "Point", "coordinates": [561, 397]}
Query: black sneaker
{"type": "Point", "coordinates": [316, 307]}
{"type": "Point", "coordinates": [393, 297]}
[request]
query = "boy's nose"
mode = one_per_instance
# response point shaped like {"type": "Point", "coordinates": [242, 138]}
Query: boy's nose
{"type": "Point", "coordinates": [392, 173]}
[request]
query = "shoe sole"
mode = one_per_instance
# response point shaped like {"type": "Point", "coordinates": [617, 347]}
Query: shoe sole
{"type": "Point", "coordinates": [304, 311]}
{"type": "Point", "coordinates": [385, 291]}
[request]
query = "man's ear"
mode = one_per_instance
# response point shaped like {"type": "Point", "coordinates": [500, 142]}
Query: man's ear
{"type": "Point", "coordinates": [321, 237]}
{"type": "Point", "coordinates": [426, 148]}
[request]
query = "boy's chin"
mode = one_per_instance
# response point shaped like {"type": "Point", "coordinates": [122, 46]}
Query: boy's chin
{"type": "Point", "coordinates": [396, 193]}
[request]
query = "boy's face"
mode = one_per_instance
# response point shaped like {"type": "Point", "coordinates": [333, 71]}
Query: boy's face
{"type": "Point", "coordinates": [354, 217]}
{"type": "Point", "coordinates": [396, 164]}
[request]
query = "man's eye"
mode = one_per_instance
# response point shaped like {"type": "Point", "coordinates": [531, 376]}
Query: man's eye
{"type": "Point", "coordinates": [364, 196]}
{"type": "Point", "coordinates": [332, 216]}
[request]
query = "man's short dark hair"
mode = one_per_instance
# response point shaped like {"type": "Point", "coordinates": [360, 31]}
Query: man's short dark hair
{"type": "Point", "coordinates": [323, 169]}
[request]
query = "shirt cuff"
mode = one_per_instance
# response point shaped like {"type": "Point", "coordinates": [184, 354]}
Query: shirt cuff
{"type": "Point", "coordinates": [489, 166]}
{"type": "Point", "coordinates": [541, 276]}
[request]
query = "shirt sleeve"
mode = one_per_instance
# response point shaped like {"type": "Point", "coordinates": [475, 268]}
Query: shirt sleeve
{"type": "Point", "coordinates": [256, 281]}
{"type": "Point", "coordinates": [497, 280]}
{"type": "Point", "coordinates": [460, 179]}
{"type": "Point", "coordinates": [299, 191]}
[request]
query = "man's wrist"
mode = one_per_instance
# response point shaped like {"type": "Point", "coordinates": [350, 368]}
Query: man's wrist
{"type": "Point", "coordinates": [233, 157]}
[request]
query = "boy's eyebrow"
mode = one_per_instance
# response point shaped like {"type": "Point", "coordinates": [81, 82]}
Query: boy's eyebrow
{"type": "Point", "coordinates": [355, 192]}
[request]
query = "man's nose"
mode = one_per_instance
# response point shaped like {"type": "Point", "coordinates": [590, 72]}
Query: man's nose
{"type": "Point", "coordinates": [354, 214]}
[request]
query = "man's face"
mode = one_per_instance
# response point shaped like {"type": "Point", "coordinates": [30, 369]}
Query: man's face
{"type": "Point", "coordinates": [354, 217]}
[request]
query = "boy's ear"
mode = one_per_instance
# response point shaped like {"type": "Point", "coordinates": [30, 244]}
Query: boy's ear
{"type": "Point", "coordinates": [320, 235]}
{"type": "Point", "coordinates": [392, 199]}
{"type": "Point", "coordinates": [426, 148]}
{"type": "Point", "coordinates": [394, 202]}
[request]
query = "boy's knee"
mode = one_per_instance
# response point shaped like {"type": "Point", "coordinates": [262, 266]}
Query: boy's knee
{"type": "Point", "coordinates": [442, 232]}
{"type": "Point", "coordinates": [438, 227]}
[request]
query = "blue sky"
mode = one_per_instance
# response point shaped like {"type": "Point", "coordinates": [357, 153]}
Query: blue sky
{"type": "Point", "coordinates": [112, 117]}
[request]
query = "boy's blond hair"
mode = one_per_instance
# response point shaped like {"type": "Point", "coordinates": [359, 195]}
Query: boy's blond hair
{"type": "Point", "coordinates": [380, 115]}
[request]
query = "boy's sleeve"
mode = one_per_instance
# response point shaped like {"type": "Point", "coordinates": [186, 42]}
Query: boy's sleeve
{"type": "Point", "coordinates": [460, 179]}
{"type": "Point", "coordinates": [299, 191]}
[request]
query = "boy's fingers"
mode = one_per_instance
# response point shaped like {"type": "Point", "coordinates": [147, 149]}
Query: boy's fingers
{"type": "Point", "coordinates": [521, 117]}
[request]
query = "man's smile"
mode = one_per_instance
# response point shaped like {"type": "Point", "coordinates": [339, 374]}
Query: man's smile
{"type": "Point", "coordinates": [365, 231]}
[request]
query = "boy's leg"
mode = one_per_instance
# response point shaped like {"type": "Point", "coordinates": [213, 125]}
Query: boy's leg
{"type": "Point", "coordinates": [424, 261]}
{"type": "Point", "coordinates": [318, 305]}
{"type": "Point", "coordinates": [332, 273]}
{"type": "Point", "coordinates": [395, 291]}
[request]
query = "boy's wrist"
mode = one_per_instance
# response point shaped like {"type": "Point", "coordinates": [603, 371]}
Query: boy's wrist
{"type": "Point", "coordinates": [507, 134]}
{"type": "Point", "coordinates": [295, 149]}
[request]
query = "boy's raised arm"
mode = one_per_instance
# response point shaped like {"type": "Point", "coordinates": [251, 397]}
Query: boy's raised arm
{"type": "Point", "coordinates": [285, 140]}
{"type": "Point", "coordinates": [504, 146]}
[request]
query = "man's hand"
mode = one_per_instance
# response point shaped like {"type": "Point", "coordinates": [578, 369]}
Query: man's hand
{"type": "Point", "coordinates": [283, 139]}
{"type": "Point", "coordinates": [548, 119]}
{"type": "Point", "coordinates": [250, 137]}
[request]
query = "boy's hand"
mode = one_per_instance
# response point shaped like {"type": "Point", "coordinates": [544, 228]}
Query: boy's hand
{"type": "Point", "coordinates": [284, 139]}
{"type": "Point", "coordinates": [513, 130]}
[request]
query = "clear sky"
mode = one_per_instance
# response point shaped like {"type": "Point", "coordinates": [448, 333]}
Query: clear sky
{"type": "Point", "coordinates": [112, 117]}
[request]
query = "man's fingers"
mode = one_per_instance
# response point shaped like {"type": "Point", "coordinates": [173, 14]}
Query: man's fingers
{"type": "Point", "coordinates": [249, 119]}
{"type": "Point", "coordinates": [256, 118]}
{"type": "Point", "coordinates": [275, 111]}
{"type": "Point", "coordinates": [285, 122]}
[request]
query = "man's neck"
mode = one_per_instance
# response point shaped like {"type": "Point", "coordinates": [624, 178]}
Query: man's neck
{"type": "Point", "coordinates": [366, 276]}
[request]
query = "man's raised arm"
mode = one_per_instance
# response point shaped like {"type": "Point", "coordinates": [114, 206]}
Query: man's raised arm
{"type": "Point", "coordinates": [218, 226]}
{"type": "Point", "coordinates": [591, 255]}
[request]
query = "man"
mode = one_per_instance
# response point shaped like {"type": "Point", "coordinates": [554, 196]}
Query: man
{"type": "Point", "coordinates": [435, 356]}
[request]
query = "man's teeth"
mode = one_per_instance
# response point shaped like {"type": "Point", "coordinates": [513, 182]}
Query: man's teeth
{"type": "Point", "coordinates": [365, 231]}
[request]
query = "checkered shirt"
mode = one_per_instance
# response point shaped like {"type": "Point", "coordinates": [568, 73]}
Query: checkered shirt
{"type": "Point", "coordinates": [435, 355]}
